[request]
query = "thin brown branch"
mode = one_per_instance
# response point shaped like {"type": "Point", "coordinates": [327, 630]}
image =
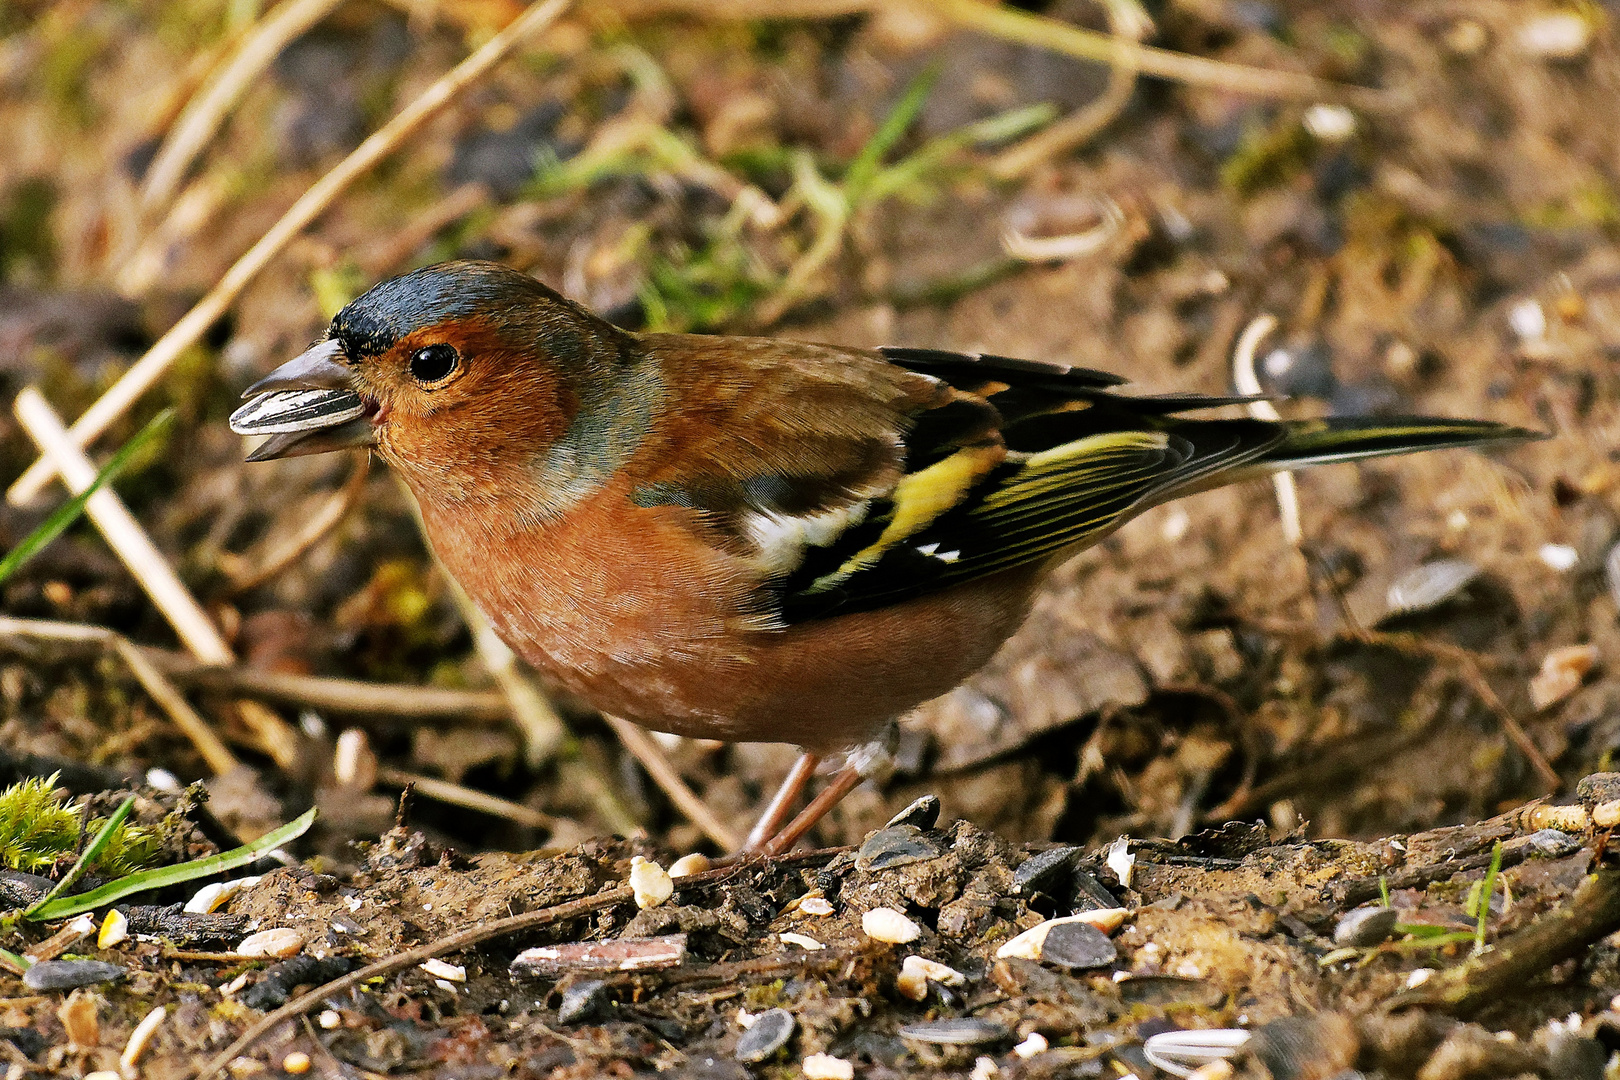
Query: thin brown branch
{"type": "Point", "coordinates": [149, 369]}
{"type": "Point", "coordinates": [664, 774]}
{"type": "Point", "coordinates": [456, 795]}
{"type": "Point", "coordinates": [204, 114]}
{"type": "Point", "coordinates": [208, 744]}
{"type": "Point", "coordinates": [287, 551]}
{"type": "Point", "coordinates": [464, 939]}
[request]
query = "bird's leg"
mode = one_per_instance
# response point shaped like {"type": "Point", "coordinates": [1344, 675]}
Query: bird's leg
{"type": "Point", "coordinates": [871, 760]}
{"type": "Point", "coordinates": [842, 782]}
{"type": "Point", "coordinates": [782, 802]}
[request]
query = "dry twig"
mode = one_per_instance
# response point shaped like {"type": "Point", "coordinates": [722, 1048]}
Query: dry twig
{"type": "Point", "coordinates": [285, 552]}
{"type": "Point", "coordinates": [206, 112]}
{"type": "Point", "coordinates": [456, 795]}
{"type": "Point", "coordinates": [665, 775]}
{"type": "Point", "coordinates": [381, 144]}
{"type": "Point", "coordinates": [214, 751]}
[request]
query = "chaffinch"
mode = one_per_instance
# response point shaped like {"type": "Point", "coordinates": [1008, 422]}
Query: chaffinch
{"type": "Point", "coordinates": [744, 538]}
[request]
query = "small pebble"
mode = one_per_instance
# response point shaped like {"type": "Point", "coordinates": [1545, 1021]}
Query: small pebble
{"type": "Point", "coordinates": [1418, 976]}
{"type": "Point", "coordinates": [1562, 672]}
{"type": "Point", "coordinates": [827, 1067]}
{"type": "Point", "coordinates": [114, 929]}
{"type": "Point", "coordinates": [439, 969]}
{"type": "Point", "coordinates": [583, 1001]}
{"type": "Point", "coordinates": [687, 865]}
{"type": "Point", "coordinates": [330, 1020]}
{"type": "Point", "coordinates": [1365, 927]}
{"type": "Point", "coordinates": [803, 941]}
{"type": "Point", "coordinates": [985, 1068]}
{"type": "Point", "coordinates": [1559, 557]}
{"type": "Point", "coordinates": [958, 1031]}
{"type": "Point", "coordinates": [650, 882]}
{"type": "Point", "coordinates": [1330, 123]}
{"type": "Point", "coordinates": [816, 905]}
{"type": "Point", "coordinates": [921, 813]}
{"type": "Point", "coordinates": [279, 942]}
{"type": "Point", "coordinates": [901, 845]}
{"type": "Point", "coordinates": [769, 1032]}
{"type": "Point", "coordinates": [1035, 1044]}
{"type": "Point", "coordinates": [1555, 35]}
{"type": "Point", "coordinates": [67, 974]}
{"type": "Point", "coordinates": [1429, 585]}
{"type": "Point", "coordinates": [296, 1063]}
{"type": "Point", "coordinates": [917, 972]}
{"type": "Point", "coordinates": [887, 924]}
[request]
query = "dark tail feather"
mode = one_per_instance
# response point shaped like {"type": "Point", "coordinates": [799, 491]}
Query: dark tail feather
{"type": "Point", "coordinates": [1319, 442]}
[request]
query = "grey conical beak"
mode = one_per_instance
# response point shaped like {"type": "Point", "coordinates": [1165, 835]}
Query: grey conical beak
{"type": "Point", "coordinates": [306, 406]}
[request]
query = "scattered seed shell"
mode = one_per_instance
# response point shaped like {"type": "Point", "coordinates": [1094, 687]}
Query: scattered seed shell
{"type": "Point", "coordinates": [887, 924]}
{"type": "Point", "coordinates": [650, 882]}
{"type": "Point", "coordinates": [1430, 585]}
{"type": "Point", "coordinates": [1559, 557]}
{"type": "Point", "coordinates": [1035, 1044]}
{"type": "Point", "coordinates": [802, 941]}
{"type": "Point", "coordinates": [1555, 35]}
{"type": "Point", "coordinates": [826, 1067]}
{"type": "Point", "coordinates": [687, 865]}
{"type": "Point", "coordinates": [957, 1031]}
{"type": "Point", "coordinates": [114, 929]}
{"type": "Point", "coordinates": [769, 1032]}
{"type": "Point", "coordinates": [1121, 861]}
{"type": "Point", "coordinates": [917, 972]}
{"type": "Point", "coordinates": [985, 1068]}
{"type": "Point", "coordinates": [330, 1020]}
{"type": "Point", "coordinates": [816, 905]}
{"type": "Point", "coordinates": [139, 1039]}
{"type": "Point", "coordinates": [216, 894]}
{"type": "Point", "coordinates": [584, 1001]}
{"type": "Point", "coordinates": [1365, 927]}
{"type": "Point", "coordinates": [1078, 946]}
{"type": "Point", "coordinates": [1561, 674]}
{"type": "Point", "coordinates": [923, 813]}
{"type": "Point", "coordinates": [1028, 945]}
{"type": "Point", "coordinates": [68, 974]}
{"type": "Point", "coordinates": [78, 1014]}
{"type": "Point", "coordinates": [1181, 1052]}
{"type": "Point", "coordinates": [280, 942]}
{"type": "Point", "coordinates": [296, 1063]}
{"type": "Point", "coordinates": [441, 970]}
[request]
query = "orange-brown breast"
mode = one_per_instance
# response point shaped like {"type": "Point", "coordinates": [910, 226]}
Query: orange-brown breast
{"type": "Point", "coordinates": [618, 604]}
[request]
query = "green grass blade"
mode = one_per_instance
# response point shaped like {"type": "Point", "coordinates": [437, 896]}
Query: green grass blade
{"type": "Point", "coordinates": [1485, 891]}
{"type": "Point", "coordinates": [900, 118]}
{"type": "Point", "coordinates": [90, 854]}
{"type": "Point", "coordinates": [69, 512]}
{"type": "Point", "coordinates": [175, 875]}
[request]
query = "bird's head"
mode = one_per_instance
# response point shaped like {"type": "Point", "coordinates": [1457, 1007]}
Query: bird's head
{"type": "Point", "coordinates": [474, 380]}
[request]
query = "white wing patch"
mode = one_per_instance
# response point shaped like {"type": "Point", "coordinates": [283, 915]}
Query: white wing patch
{"type": "Point", "coordinates": [780, 540]}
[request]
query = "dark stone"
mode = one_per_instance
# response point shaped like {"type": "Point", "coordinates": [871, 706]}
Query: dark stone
{"type": "Point", "coordinates": [770, 1032]}
{"type": "Point", "coordinates": [1365, 927]}
{"type": "Point", "coordinates": [922, 813]}
{"type": "Point", "coordinates": [963, 1031]}
{"type": "Point", "coordinates": [1078, 947]}
{"type": "Point", "coordinates": [706, 1067]}
{"type": "Point", "coordinates": [67, 974]}
{"type": "Point", "coordinates": [899, 846]}
{"type": "Point", "coordinates": [583, 1002]}
{"type": "Point", "coordinates": [1575, 1057]}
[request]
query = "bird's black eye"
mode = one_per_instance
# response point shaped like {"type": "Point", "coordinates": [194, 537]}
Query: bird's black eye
{"type": "Point", "coordinates": [433, 363]}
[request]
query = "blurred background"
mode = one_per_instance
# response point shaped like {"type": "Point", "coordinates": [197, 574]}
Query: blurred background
{"type": "Point", "coordinates": [1423, 195]}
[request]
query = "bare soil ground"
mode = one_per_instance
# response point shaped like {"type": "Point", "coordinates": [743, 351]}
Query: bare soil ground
{"type": "Point", "coordinates": [1447, 247]}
